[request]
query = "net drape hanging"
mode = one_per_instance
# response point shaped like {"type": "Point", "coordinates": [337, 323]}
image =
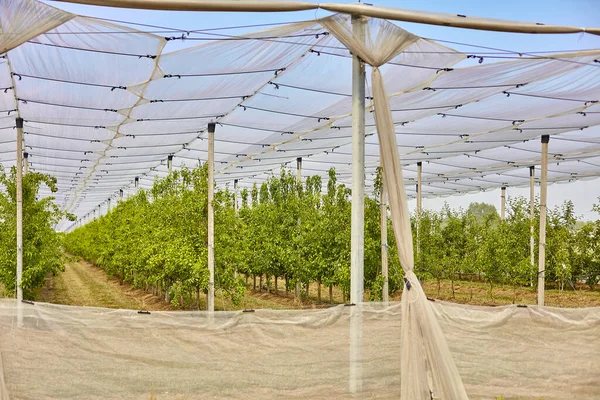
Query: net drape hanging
{"type": "Point", "coordinates": [427, 367]}
{"type": "Point", "coordinates": [16, 18]}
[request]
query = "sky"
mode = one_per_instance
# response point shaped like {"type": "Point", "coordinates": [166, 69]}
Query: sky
{"type": "Point", "coordinates": [584, 13]}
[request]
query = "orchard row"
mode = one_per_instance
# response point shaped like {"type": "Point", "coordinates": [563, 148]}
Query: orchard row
{"type": "Point", "coordinates": [157, 240]}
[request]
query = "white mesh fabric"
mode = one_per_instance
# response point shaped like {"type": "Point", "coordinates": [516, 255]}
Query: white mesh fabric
{"type": "Point", "coordinates": [93, 353]}
{"type": "Point", "coordinates": [96, 127]}
{"type": "Point", "coordinates": [17, 17]}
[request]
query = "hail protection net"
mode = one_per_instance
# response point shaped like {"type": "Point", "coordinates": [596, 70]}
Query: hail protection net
{"type": "Point", "coordinates": [104, 103]}
{"type": "Point", "coordinates": [91, 353]}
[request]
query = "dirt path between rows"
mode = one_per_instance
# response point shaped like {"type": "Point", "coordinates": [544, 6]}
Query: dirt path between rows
{"type": "Point", "coordinates": [82, 284]}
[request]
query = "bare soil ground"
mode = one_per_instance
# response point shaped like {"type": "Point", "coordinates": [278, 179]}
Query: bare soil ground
{"type": "Point", "coordinates": [505, 294]}
{"type": "Point", "coordinates": [83, 284]}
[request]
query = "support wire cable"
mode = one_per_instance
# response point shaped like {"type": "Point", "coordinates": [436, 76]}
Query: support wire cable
{"type": "Point", "coordinates": [520, 53]}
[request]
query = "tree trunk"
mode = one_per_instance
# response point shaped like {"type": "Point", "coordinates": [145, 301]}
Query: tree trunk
{"type": "Point", "coordinates": [331, 294]}
{"type": "Point", "coordinates": [439, 282]}
{"type": "Point", "coordinates": [452, 284]}
{"type": "Point", "coordinates": [198, 297]}
{"type": "Point", "coordinates": [276, 290]}
{"type": "Point", "coordinates": [471, 288]}
{"type": "Point", "coordinates": [167, 292]}
{"type": "Point", "coordinates": [319, 292]}
{"type": "Point", "coordinates": [255, 282]}
{"type": "Point", "coordinates": [260, 283]}
{"type": "Point", "coordinates": [307, 291]}
{"type": "Point", "coordinates": [246, 280]}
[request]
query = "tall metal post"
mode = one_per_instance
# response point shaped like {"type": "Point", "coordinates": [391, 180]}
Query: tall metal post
{"type": "Point", "coordinates": [210, 301]}
{"type": "Point", "coordinates": [357, 255]}
{"type": "Point", "coordinates": [108, 206]}
{"type": "Point", "coordinates": [136, 182]}
{"type": "Point", "coordinates": [419, 201]}
{"type": "Point", "coordinates": [25, 163]}
{"type": "Point", "coordinates": [531, 214]}
{"type": "Point", "coordinates": [357, 242]}
{"type": "Point", "coordinates": [503, 203]}
{"type": "Point", "coordinates": [236, 208]}
{"type": "Point", "coordinates": [298, 291]}
{"type": "Point", "coordinates": [235, 194]}
{"type": "Point", "coordinates": [542, 245]}
{"type": "Point", "coordinates": [121, 194]}
{"type": "Point", "coordinates": [384, 243]}
{"type": "Point", "coordinates": [419, 189]}
{"type": "Point", "coordinates": [170, 163]}
{"type": "Point", "coordinates": [19, 276]}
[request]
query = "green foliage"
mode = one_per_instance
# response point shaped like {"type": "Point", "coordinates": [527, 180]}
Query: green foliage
{"type": "Point", "coordinates": [300, 231]}
{"type": "Point", "coordinates": [41, 243]}
{"type": "Point", "coordinates": [157, 238]}
{"type": "Point", "coordinates": [454, 244]}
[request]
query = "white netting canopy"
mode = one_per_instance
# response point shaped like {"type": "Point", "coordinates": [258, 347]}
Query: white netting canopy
{"type": "Point", "coordinates": [103, 104]}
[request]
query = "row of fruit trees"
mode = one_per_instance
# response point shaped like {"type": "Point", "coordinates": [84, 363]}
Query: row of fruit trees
{"type": "Point", "coordinates": [286, 232]}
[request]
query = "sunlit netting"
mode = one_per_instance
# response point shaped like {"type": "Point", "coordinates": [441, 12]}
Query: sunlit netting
{"type": "Point", "coordinates": [91, 353]}
{"type": "Point", "coordinates": [102, 104]}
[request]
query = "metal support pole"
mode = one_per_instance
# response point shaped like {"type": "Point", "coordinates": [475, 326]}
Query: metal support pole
{"type": "Point", "coordinates": [384, 243]}
{"type": "Point", "coordinates": [419, 189]}
{"type": "Point", "coordinates": [136, 182]}
{"type": "Point", "coordinates": [19, 276]}
{"type": "Point", "coordinates": [419, 201]}
{"type": "Point", "coordinates": [531, 214]}
{"type": "Point", "coordinates": [121, 194]}
{"type": "Point", "coordinates": [542, 245]}
{"type": "Point", "coordinates": [236, 208]}
{"type": "Point", "coordinates": [170, 163]}
{"type": "Point", "coordinates": [235, 194]}
{"type": "Point", "coordinates": [25, 163]}
{"type": "Point", "coordinates": [357, 255]}
{"type": "Point", "coordinates": [299, 168]}
{"type": "Point", "coordinates": [108, 207]}
{"type": "Point", "coordinates": [210, 301]}
{"type": "Point", "coordinates": [503, 203]}
{"type": "Point", "coordinates": [357, 242]}
{"type": "Point", "coordinates": [298, 290]}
